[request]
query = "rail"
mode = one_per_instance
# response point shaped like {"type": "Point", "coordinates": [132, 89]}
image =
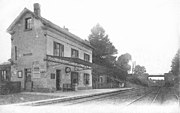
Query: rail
{"type": "Point", "coordinates": [137, 99]}
{"type": "Point", "coordinates": [155, 97]}
{"type": "Point", "coordinates": [101, 97]}
{"type": "Point", "coordinates": [177, 97]}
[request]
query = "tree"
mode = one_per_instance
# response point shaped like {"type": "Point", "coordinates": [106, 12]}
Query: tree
{"type": "Point", "coordinates": [103, 49]}
{"type": "Point", "coordinates": [175, 69]}
{"type": "Point", "coordinates": [139, 70]}
{"type": "Point", "coordinates": [122, 66]}
{"type": "Point", "coordinates": [122, 62]}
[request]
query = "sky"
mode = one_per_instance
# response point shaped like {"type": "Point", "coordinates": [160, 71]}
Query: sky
{"type": "Point", "coordinates": [149, 30]}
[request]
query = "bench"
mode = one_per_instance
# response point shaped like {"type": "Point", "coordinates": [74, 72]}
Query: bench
{"type": "Point", "coordinates": [67, 87]}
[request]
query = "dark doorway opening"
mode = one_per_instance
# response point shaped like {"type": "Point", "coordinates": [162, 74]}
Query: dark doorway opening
{"type": "Point", "coordinates": [58, 79]}
{"type": "Point", "coordinates": [28, 82]}
{"type": "Point", "coordinates": [74, 78]}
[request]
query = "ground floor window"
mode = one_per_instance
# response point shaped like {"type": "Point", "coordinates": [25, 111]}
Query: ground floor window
{"type": "Point", "coordinates": [86, 78]}
{"type": "Point", "coordinates": [4, 76]}
{"type": "Point", "coordinates": [20, 74]}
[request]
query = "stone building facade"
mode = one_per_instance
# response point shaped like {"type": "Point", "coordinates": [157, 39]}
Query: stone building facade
{"type": "Point", "coordinates": [45, 56]}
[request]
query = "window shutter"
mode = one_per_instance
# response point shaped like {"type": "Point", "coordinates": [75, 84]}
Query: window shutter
{"type": "Point", "coordinates": [78, 78]}
{"type": "Point", "coordinates": [84, 79]}
{"type": "Point", "coordinates": [15, 52]}
{"type": "Point", "coordinates": [63, 49]}
{"type": "Point", "coordinates": [54, 46]}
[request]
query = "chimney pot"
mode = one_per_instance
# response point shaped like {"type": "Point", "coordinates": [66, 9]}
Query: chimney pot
{"type": "Point", "coordinates": [37, 9]}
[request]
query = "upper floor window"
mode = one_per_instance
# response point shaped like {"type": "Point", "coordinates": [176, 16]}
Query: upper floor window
{"type": "Point", "coordinates": [15, 52]}
{"type": "Point", "coordinates": [58, 49]}
{"type": "Point", "coordinates": [28, 23]}
{"type": "Point", "coordinates": [86, 57]}
{"type": "Point", "coordinates": [74, 53]}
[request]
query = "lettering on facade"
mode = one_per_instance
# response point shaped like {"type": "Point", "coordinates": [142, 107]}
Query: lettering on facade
{"type": "Point", "coordinates": [42, 69]}
{"type": "Point", "coordinates": [27, 54]}
{"type": "Point", "coordinates": [36, 70]}
{"type": "Point", "coordinates": [14, 72]}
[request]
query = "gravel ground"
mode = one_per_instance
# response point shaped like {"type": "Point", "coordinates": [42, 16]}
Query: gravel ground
{"type": "Point", "coordinates": [19, 98]}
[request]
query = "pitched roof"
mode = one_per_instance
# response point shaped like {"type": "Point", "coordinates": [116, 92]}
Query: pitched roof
{"type": "Point", "coordinates": [23, 12]}
{"type": "Point", "coordinates": [5, 65]}
{"type": "Point", "coordinates": [49, 24]}
{"type": "Point", "coordinates": [56, 27]}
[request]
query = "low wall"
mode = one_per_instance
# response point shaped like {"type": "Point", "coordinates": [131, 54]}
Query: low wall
{"type": "Point", "coordinates": [10, 87]}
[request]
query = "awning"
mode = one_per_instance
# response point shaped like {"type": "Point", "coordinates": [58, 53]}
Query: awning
{"type": "Point", "coordinates": [76, 62]}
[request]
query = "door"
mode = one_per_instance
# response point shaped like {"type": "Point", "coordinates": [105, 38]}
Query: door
{"type": "Point", "coordinates": [28, 82]}
{"type": "Point", "coordinates": [74, 78]}
{"type": "Point", "coordinates": [58, 79]}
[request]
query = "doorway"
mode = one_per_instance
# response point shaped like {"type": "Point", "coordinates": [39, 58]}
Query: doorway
{"type": "Point", "coordinates": [58, 79]}
{"type": "Point", "coordinates": [28, 82]}
{"type": "Point", "coordinates": [74, 78]}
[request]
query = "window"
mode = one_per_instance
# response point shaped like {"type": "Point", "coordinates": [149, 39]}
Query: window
{"type": "Point", "coordinates": [4, 76]}
{"type": "Point", "coordinates": [86, 78]}
{"type": "Point", "coordinates": [58, 49]}
{"type": "Point", "coordinates": [74, 53]}
{"type": "Point", "coordinates": [28, 23]}
{"type": "Point", "coordinates": [20, 74]}
{"type": "Point", "coordinates": [86, 57]}
{"type": "Point", "coordinates": [15, 52]}
{"type": "Point", "coordinates": [52, 75]}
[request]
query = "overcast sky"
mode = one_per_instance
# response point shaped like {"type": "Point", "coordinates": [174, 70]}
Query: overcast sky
{"type": "Point", "coordinates": [146, 29]}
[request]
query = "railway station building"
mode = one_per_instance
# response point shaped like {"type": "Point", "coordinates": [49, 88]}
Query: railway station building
{"type": "Point", "coordinates": [47, 57]}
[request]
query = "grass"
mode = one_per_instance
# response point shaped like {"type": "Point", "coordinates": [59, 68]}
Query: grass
{"type": "Point", "coordinates": [19, 98]}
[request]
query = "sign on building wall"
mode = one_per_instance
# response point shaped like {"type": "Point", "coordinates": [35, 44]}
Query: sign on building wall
{"type": "Point", "coordinates": [14, 72]}
{"type": "Point", "coordinates": [36, 70]}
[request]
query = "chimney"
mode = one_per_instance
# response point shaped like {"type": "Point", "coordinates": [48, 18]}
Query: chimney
{"type": "Point", "coordinates": [37, 9]}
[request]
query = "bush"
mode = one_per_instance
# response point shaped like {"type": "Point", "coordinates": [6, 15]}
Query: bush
{"type": "Point", "coordinates": [135, 80]}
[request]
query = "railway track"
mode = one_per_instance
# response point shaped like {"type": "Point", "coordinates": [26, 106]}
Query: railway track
{"type": "Point", "coordinates": [149, 96]}
{"type": "Point", "coordinates": [155, 97]}
{"type": "Point", "coordinates": [106, 96]}
{"type": "Point", "coordinates": [178, 99]}
{"type": "Point", "coordinates": [161, 96]}
{"type": "Point", "coordinates": [170, 96]}
{"type": "Point", "coordinates": [144, 96]}
{"type": "Point", "coordinates": [176, 95]}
